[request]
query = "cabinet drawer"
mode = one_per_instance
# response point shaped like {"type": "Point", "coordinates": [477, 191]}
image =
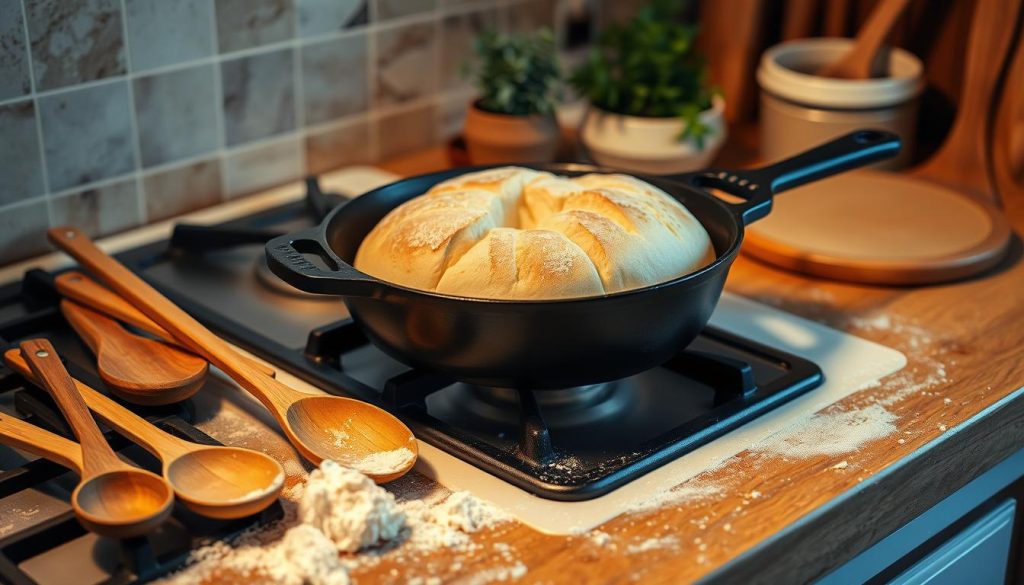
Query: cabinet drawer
{"type": "Point", "coordinates": [978, 554]}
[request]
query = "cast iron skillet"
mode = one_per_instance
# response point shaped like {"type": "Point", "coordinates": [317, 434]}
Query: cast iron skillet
{"type": "Point", "coordinates": [553, 344]}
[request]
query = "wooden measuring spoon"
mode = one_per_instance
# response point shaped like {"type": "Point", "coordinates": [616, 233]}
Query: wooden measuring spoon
{"type": "Point", "coordinates": [320, 427]}
{"type": "Point", "coordinates": [113, 498]}
{"type": "Point", "coordinates": [215, 481]}
{"type": "Point", "coordinates": [137, 369]}
{"type": "Point", "coordinates": [865, 59]}
{"type": "Point", "coordinates": [89, 293]}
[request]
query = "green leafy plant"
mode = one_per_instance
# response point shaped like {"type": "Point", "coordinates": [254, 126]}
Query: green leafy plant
{"type": "Point", "coordinates": [649, 67]}
{"type": "Point", "coordinates": [517, 74]}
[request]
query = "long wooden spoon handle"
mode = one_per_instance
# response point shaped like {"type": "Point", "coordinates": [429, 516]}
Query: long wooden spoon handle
{"type": "Point", "coordinates": [125, 421]}
{"type": "Point", "coordinates": [19, 434]}
{"type": "Point", "coordinates": [97, 456]}
{"type": "Point", "coordinates": [86, 291]}
{"type": "Point", "coordinates": [274, 395]}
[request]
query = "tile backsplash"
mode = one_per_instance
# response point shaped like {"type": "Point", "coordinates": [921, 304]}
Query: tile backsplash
{"type": "Point", "coordinates": [117, 113]}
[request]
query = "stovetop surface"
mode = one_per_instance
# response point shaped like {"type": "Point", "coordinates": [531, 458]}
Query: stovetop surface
{"type": "Point", "coordinates": [549, 449]}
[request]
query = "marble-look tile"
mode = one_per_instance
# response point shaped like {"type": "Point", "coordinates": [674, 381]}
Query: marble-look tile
{"type": "Point", "coordinates": [341, 146]}
{"type": "Point", "coordinates": [14, 74]}
{"type": "Point", "coordinates": [388, 9]}
{"type": "Point", "coordinates": [242, 24]}
{"type": "Point", "coordinates": [23, 230]}
{"type": "Point", "coordinates": [259, 96]}
{"type": "Point", "coordinates": [405, 63]}
{"type": "Point", "coordinates": [407, 131]}
{"type": "Point", "coordinates": [451, 115]}
{"type": "Point", "coordinates": [175, 114]}
{"type": "Point", "coordinates": [20, 164]}
{"type": "Point", "coordinates": [87, 134]}
{"type": "Point", "coordinates": [317, 17]}
{"type": "Point", "coordinates": [261, 167]}
{"type": "Point", "coordinates": [176, 191]}
{"type": "Point", "coordinates": [163, 33]}
{"type": "Point", "coordinates": [100, 211]}
{"type": "Point", "coordinates": [74, 41]}
{"type": "Point", "coordinates": [458, 31]}
{"type": "Point", "coordinates": [530, 16]}
{"type": "Point", "coordinates": [334, 78]}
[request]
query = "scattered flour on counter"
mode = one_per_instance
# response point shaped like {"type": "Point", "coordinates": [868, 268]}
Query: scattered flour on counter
{"type": "Point", "coordinates": [341, 511]}
{"type": "Point", "coordinates": [652, 544]}
{"type": "Point", "coordinates": [600, 538]}
{"type": "Point", "coordinates": [841, 465]}
{"type": "Point", "coordinates": [690, 491]}
{"type": "Point", "coordinates": [385, 462]}
{"type": "Point", "coordinates": [830, 433]}
{"type": "Point", "coordinates": [349, 508]}
{"type": "Point", "coordinates": [516, 571]}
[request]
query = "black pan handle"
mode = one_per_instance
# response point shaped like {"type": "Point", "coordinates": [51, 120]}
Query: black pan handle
{"type": "Point", "coordinates": [286, 258]}
{"type": "Point", "coordinates": [757, 186]}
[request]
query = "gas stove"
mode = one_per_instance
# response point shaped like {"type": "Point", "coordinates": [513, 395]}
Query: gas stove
{"type": "Point", "coordinates": [560, 461]}
{"type": "Point", "coordinates": [568, 444]}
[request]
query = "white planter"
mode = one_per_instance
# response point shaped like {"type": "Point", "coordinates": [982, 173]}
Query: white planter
{"type": "Point", "coordinates": [651, 145]}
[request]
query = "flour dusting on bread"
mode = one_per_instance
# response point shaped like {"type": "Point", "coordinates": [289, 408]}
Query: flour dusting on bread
{"type": "Point", "coordinates": [514, 233]}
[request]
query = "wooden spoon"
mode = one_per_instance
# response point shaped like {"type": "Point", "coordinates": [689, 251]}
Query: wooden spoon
{"type": "Point", "coordinates": [218, 482]}
{"type": "Point", "coordinates": [864, 59]}
{"type": "Point", "coordinates": [320, 427]}
{"type": "Point", "coordinates": [113, 498]}
{"type": "Point", "coordinates": [964, 162]}
{"type": "Point", "coordinates": [135, 368]}
{"type": "Point", "coordinates": [89, 293]}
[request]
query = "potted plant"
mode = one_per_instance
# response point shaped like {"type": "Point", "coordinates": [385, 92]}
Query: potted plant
{"type": "Point", "coordinates": [518, 79]}
{"type": "Point", "coordinates": [652, 108]}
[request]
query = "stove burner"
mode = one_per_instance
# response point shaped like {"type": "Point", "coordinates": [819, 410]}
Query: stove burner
{"type": "Point", "coordinates": [565, 407]}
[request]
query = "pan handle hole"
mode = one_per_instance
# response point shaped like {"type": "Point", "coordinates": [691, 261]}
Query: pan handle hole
{"type": "Point", "coordinates": [867, 136]}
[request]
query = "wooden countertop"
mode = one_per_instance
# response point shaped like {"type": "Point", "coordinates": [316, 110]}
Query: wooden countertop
{"type": "Point", "coordinates": [963, 342]}
{"type": "Point", "coordinates": [778, 519]}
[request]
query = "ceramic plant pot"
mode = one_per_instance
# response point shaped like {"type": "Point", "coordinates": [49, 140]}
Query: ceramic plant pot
{"type": "Point", "coordinates": [504, 138]}
{"type": "Point", "coordinates": [651, 145]}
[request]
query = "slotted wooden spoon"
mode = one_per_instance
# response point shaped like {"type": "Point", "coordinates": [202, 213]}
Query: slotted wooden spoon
{"type": "Point", "coordinates": [113, 498]}
{"type": "Point", "coordinates": [135, 368]}
{"type": "Point", "coordinates": [215, 481]}
{"type": "Point", "coordinates": [89, 293]}
{"type": "Point", "coordinates": [320, 427]}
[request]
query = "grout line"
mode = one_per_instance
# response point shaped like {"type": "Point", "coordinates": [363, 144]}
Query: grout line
{"type": "Point", "coordinates": [23, 203]}
{"type": "Point", "coordinates": [299, 95]}
{"type": "Point", "coordinates": [44, 167]}
{"type": "Point", "coordinates": [218, 106]}
{"type": "Point", "coordinates": [133, 122]}
{"type": "Point", "coordinates": [372, 137]}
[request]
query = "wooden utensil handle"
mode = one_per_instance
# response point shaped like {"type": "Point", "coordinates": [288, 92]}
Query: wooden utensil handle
{"type": "Point", "coordinates": [42, 358]}
{"type": "Point", "coordinates": [19, 434]}
{"type": "Point", "coordinates": [125, 421]}
{"type": "Point", "coordinates": [274, 395]}
{"type": "Point", "coordinates": [87, 292]}
{"type": "Point", "coordinates": [91, 326]}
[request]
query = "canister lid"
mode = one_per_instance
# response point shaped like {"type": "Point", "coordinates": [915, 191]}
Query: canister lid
{"type": "Point", "coordinates": [786, 71]}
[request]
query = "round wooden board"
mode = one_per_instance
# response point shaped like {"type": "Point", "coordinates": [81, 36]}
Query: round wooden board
{"type": "Point", "coordinates": [880, 228]}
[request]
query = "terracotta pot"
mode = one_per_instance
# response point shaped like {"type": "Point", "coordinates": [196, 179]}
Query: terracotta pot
{"type": "Point", "coordinates": [503, 138]}
{"type": "Point", "coordinates": [651, 145]}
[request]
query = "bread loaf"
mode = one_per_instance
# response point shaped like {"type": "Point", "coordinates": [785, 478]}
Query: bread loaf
{"type": "Point", "coordinates": [514, 233]}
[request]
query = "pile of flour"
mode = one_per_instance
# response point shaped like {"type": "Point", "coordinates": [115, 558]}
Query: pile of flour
{"type": "Point", "coordinates": [341, 512]}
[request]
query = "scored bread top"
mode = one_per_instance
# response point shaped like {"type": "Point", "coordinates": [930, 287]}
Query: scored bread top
{"type": "Point", "coordinates": [515, 233]}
